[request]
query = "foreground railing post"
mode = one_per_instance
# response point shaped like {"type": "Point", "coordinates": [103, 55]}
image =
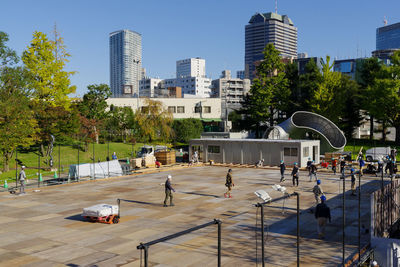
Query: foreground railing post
{"type": "Point", "coordinates": [146, 256]}
{"type": "Point", "coordinates": [262, 236]}
{"type": "Point", "coordinates": [298, 228]}
{"type": "Point", "coordinates": [219, 241]}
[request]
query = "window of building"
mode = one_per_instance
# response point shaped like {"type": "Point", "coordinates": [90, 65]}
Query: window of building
{"type": "Point", "coordinates": [172, 109]}
{"type": "Point", "coordinates": [207, 109]}
{"type": "Point", "coordinates": [197, 109]}
{"type": "Point", "coordinates": [290, 151]}
{"type": "Point", "coordinates": [306, 151]}
{"type": "Point", "coordinates": [180, 109]}
{"type": "Point", "coordinates": [214, 149]}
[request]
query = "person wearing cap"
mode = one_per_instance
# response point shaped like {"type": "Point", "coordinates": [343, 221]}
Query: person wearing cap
{"type": "Point", "coordinates": [22, 177]}
{"type": "Point", "coordinates": [334, 164]}
{"type": "Point", "coordinates": [282, 167]}
{"type": "Point", "coordinates": [295, 174]}
{"type": "Point", "coordinates": [168, 192]}
{"type": "Point", "coordinates": [342, 165]}
{"type": "Point", "coordinates": [322, 214]}
{"type": "Point", "coordinates": [353, 182]}
{"type": "Point", "coordinates": [229, 183]}
{"type": "Point", "coordinates": [318, 192]}
{"type": "Point", "coordinates": [313, 171]}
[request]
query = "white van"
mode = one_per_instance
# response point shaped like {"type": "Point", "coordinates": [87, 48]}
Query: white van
{"type": "Point", "coordinates": [377, 153]}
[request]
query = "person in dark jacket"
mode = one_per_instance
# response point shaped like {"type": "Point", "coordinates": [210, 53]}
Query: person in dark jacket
{"type": "Point", "coordinates": [295, 174]}
{"type": "Point", "coordinates": [342, 165]}
{"type": "Point", "coordinates": [229, 183]}
{"type": "Point", "coordinates": [168, 192]}
{"type": "Point", "coordinates": [282, 167]}
{"type": "Point", "coordinates": [353, 183]}
{"type": "Point", "coordinates": [322, 214]}
{"type": "Point", "coordinates": [313, 171]}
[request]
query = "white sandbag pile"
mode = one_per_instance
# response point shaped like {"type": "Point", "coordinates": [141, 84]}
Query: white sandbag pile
{"type": "Point", "coordinates": [98, 169]}
{"type": "Point", "coordinates": [100, 210]}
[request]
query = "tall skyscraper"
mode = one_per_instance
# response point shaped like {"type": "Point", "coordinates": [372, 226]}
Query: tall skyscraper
{"type": "Point", "coordinates": [268, 28]}
{"type": "Point", "coordinates": [387, 41]}
{"type": "Point", "coordinates": [125, 63]}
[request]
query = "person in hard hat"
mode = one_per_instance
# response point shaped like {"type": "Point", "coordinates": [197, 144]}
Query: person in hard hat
{"type": "Point", "coordinates": [342, 166]}
{"type": "Point", "coordinates": [229, 184]}
{"type": "Point", "coordinates": [295, 174]}
{"type": "Point", "coordinates": [168, 191]}
{"type": "Point", "coordinates": [313, 171]}
{"type": "Point", "coordinates": [282, 167]}
{"type": "Point", "coordinates": [353, 182]}
{"type": "Point", "coordinates": [22, 177]}
{"type": "Point", "coordinates": [318, 192]}
{"type": "Point", "coordinates": [322, 214]}
{"type": "Point", "coordinates": [334, 164]}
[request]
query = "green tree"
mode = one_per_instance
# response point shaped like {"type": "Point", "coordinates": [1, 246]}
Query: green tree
{"type": "Point", "coordinates": [94, 105]}
{"type": "Point", "coordinates": [153, 122]}
{"type": "Point", "coordinates": [292, 74]}
{"type": "Point", "coordinates": [120, 120]}
{"type": "Point", "coordinates": [384, 95]}
{"type": "Point", "coordinates": [18, 126]}
{"type": "Point", "coordinates": [7, 55]}
{"type": "Point", "coordinates": [308, 83]}
{"type": "Point", "coordinates": [187, 129]}
{"type": "Point", "coordinates": [326, 99]}
{"type": "Point", "coordinates": [368, 71]}
{"type": "Point", "coordinates": [350, 116]}
{"type": "Point", "coordinates": [269, 92]}
{"type": "Point", "coordinates": [45, 60]}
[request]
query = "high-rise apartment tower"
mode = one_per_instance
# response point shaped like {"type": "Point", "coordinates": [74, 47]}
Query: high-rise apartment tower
{"type": "Point", "coordinates": [125, 63]}
{"type": "Point", "coordinates": [268, 28]}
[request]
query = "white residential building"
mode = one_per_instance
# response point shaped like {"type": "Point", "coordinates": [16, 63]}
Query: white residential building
{"type": "Point", "coordinates": [231, 91]}
{"type": "Point", "coordinates": [191, 67]}
{"type": "Point", "coordinates": [207, 109]}
{"type": "Point", "coordinates": [149, 87]}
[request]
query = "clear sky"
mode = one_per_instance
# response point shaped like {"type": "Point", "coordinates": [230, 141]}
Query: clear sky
{"type": "Point", "coordinates": [178, 29]}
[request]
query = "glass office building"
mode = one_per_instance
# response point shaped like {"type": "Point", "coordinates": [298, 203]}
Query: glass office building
{"type": "Point", "coordinates": [268, 28]}
{"type": "Point", "coordinates": [388, 37]}
{"type": "Point", "coordinates": [125, 63]}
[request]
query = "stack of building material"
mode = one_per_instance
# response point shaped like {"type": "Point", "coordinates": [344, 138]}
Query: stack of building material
{"type": "Point", "coordinates": [149, 161]}
{"type": "Point", "coordinates": [100, 210]}
{"type": "Point", "coordinates": [166, 157]}
{"type": "Point", "coordinates": [136, 163]}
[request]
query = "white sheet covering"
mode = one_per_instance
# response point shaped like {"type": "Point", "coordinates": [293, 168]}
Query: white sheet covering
{"type": "Point", "coordinates": [99, 170]}
{"type": "Point", "coordinates": [100, 210]}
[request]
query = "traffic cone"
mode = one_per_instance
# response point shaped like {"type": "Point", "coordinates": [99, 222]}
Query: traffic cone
{"type": "Point", "coordinates": [55, 175]}
{"type": "Point", "coordinates": [5, 184]}
{"type": "Point", "coordinates": [40, 177]}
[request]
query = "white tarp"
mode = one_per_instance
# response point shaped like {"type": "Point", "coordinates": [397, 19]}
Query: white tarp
{"type": "Point", "coordinates": [100, 210]}
{"type": "Point", "coordinates": [98, 170]}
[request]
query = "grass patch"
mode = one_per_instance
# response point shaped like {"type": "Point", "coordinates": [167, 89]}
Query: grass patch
{"type": "Point", "coordinates": [65, 155]}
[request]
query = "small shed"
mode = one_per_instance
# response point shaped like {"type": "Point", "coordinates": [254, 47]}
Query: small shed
{"type": "Point", "coordinates": [249, 151]}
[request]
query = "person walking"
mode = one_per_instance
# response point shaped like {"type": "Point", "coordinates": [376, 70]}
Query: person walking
{"type": "Point", "coordinates": [342, 165]}
{"type": "Point", "coordinates": [229, 183]}
{"type": "Point", "coordinates": [168, 191]}
{"type": "Point", "coordinates": [322, 214]}
{"type": "Point", "coordinates": [313, 171]}
{"type": "Point", "coordinates": [318, 192]}
{"type": "Point", "coordinates": [22, 177]}
{"type": "Point", "coordinates": [362, 164]}
{"type": "Point", "coordinates": [295, 174]}
{"type": "Point", "coordinates": [353, 182]}
{"type": "Point", "coordinates": [334, 164]}
{"type": "Point", "coordinates": [282, 167]}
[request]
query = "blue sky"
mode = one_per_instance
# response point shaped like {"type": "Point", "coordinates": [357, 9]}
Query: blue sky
{"type": "Point", "coordinates": [178, 29]}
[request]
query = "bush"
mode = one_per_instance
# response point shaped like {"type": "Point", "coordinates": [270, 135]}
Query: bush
{"type": "Point", "coordinates": [187, 129]}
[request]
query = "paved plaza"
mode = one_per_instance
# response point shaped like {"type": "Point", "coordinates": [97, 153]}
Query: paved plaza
{"type": "Point", "coordinates": [45, 228]}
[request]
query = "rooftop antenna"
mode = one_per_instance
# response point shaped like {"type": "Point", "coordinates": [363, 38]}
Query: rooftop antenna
{"type": "Point", "coordinates": [276, 6]}
{"type": "Point", "coordinates": [385, 22]}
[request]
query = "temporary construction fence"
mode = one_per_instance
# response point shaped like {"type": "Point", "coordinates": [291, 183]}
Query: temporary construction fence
{"type": "Point", "coordinates": [93, 161]}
